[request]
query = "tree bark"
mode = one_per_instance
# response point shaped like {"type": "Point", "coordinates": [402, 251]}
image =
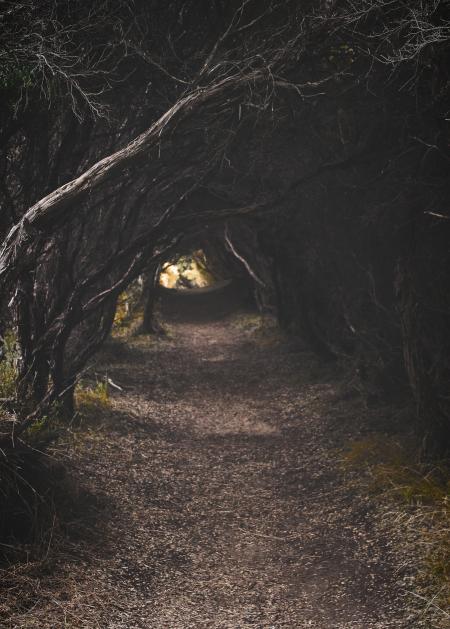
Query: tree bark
{"type": "Point", "coordinates": [150, 325]}
{"type": "Point", "coordinates": [47, 214]}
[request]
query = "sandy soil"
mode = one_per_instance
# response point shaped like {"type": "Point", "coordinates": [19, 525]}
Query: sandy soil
{"type": "Point", "coordinates": [217, 497]}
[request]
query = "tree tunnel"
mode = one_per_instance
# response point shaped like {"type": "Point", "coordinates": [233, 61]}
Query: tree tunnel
{"type": "Point", "coordinates": [164, 166]}
{"type": "Point", "coordinates": [204, 278]}
{"type": "Point", "coordinates": [308, 168]}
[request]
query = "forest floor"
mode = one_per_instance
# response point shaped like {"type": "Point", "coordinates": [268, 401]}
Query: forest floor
{"type": "Point", "coordinates": [214, 496]}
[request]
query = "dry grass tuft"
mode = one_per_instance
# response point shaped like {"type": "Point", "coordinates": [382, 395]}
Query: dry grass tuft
{"type": "Point", "coordinates": [263, 329]}
{"type": "Point", "coordinates": [417, 500]}
{"type": "Point", "coordinates": [46, 521]}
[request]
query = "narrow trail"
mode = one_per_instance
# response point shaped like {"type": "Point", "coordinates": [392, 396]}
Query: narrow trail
{"type": "Point", "coordinates": [222, 499]}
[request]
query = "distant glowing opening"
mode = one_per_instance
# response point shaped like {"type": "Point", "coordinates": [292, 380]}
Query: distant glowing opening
{"type": "Point", "coordinates": [189, 271]}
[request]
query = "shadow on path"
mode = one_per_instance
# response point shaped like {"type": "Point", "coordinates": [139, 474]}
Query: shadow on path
{"type": "Point", "coordinates": [220, 457]}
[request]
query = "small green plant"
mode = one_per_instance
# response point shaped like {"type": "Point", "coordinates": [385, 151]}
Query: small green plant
{"type": "Point", "coordinates": [38, 426]}
{"type": "Point", "coordinates": [129, 311]}
{"type": "Point", "coordinates": [93, 398]}
{"type": "Point", "coordinates": [8, 365]}
{"type": "Point", "coordinates": [15, 76]}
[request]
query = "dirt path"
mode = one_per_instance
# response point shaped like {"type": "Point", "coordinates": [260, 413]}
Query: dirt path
{"type": "Point", "coordinates": [222, 501]}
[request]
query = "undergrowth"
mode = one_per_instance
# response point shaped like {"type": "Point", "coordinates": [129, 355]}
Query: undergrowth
{"type": "Point", "coordinates": [32, 484]}
{"type": "Point", "coordinates": [262, 328]}
{"type": "Point", "coordinates": [94, 400]}
{"type": "Point", "coordinates": [129, 312]}
{"type": "Point", "coordinates": [8, 366]}
{"type": "Point", "coordinates": [417, 497]}
{"type": "Point", "coordinates": [45, 514]}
